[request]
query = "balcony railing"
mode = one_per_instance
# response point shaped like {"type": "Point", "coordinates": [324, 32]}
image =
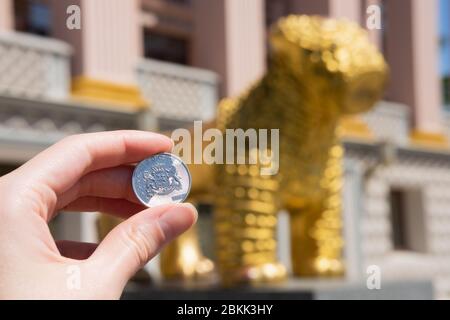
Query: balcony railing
{"type": "Point", "coordinates": [178, 92]}
{"type": "Point", "coordinates": [34, 67]}
{"type": "Point", "coordinates": [389, 121]}
{"type": "Point", "coordinates": [29, 125]}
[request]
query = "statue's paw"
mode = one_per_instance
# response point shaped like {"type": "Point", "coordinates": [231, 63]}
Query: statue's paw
{"type": "Point", "coordinates": [264, 273]}
{"type": "Point", "coordinates": [204, 268]}
{"type": "Point", "coordinates": [319, 267]}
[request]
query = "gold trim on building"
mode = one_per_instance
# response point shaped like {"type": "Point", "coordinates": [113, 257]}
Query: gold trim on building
{"type": "Point", "coordinates": [429, 139]}
{"type": "Point", "coordinates": [109, 94]}
{"type": "Point", "coordinates": [354, 127]}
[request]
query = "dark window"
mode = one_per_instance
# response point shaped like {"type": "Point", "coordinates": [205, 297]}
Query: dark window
{"type": "Point", "coordinates": [275, 9]}
{"type": "Point", "coordinates": [206, 229]}
{"type": "Point", "coordinates": [398, 220]}
{"type": "Point", "coordinates": [166, 48]}
{"type": "Point", "coordinates": [407, 220]}
{"type": "Point", "coordinates": [181, 2]}
{"type": "Point", "coordinates": [32, 16]}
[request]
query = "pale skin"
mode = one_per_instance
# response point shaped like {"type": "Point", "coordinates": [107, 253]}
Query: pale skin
{"type": "Point", "coordinates": [88, 172]}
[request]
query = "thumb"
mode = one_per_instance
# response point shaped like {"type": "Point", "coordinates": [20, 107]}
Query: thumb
{"type": "Point", "coordinates": [131, 244]}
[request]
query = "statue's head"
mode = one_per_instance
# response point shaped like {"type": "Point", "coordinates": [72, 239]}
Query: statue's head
{"type": "Point", "coordinates": [331, 59]}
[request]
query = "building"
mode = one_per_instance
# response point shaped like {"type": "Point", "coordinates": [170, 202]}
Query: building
{"type": "Point", "coordinates": [181, 56]}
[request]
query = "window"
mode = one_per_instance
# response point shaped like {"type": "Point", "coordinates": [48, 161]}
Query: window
{"type": "Point", "coordinates": [407, 220]}
{"type": "Point", "coordinates": [165, 47]}
{"type": "Point", "coordinates": [275, 9]}
{"type": "Point", "coordinates": [32, 16]}
{"type": "Point", "coordinates": [444, 28]}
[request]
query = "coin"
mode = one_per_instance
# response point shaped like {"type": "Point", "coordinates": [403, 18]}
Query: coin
{"type": "Point", "coordinates": [161, 179]}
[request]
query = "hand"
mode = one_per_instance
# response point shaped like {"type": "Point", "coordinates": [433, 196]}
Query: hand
{"type": "Point", "coordinates": [87, 172]}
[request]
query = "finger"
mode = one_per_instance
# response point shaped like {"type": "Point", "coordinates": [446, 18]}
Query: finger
{"type": "Point", "coordinates": [61, 165]}
{"type": "Point", "coordinates": [116, 207]}
{"type": "Point", "coordinates": [76, 250]}
{"type": "Point", "coordinates": [135, 241]}
{"type": "Point", "coordinates": [106, 183]}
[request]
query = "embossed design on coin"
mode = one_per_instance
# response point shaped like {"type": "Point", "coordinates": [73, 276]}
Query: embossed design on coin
{"type": "Point", "coordinates": [160, 179]}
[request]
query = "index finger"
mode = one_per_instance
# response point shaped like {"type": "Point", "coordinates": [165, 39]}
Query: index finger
{"type": "Point", "coordinates": [61, 165]}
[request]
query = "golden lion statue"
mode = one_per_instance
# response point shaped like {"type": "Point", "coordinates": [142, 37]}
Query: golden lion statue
{"type": "Point", "coordinates": [320, 70]}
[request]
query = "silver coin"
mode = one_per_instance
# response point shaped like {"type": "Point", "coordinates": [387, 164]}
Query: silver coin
{"type": "Point", "coordinates": [161, 179]}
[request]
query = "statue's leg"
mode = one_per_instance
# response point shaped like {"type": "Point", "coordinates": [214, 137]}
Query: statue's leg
{"type": "Point", "coordinates": [183, 258]}
{"type": "Point", "coordinates": [316, 227]}
{"type": "Point", "coordinates": [245, 225]}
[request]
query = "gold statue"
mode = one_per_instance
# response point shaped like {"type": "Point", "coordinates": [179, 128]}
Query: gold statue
{"type": "Point", "coordinates": [320, 70]}
{"type": "Point", "coordinates": [183, 259]}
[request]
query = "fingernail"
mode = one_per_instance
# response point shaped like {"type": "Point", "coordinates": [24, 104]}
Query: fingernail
{"type": "Point", "coordinates": [178, 219]}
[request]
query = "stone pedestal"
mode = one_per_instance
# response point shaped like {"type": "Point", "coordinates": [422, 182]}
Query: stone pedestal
{"type": "Point", "coordinates": [291, 290]}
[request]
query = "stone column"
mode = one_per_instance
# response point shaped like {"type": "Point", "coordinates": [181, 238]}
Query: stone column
{"type": "Point", "coordinates": [348, 9]}
{"type": "Point", "coordinates": [230, 39]}
{"type": "Point", "coordinates": [412, 53]}
{"type": "Point", "coordinates": [107, 50]}
{"type": "Point", "coordinates": [6, 15]}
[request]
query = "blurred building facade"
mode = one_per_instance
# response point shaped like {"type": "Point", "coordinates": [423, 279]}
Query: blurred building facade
{"type": "Point", "coordinates": [154, 64]}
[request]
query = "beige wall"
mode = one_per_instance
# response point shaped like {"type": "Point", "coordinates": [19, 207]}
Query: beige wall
{"type": "Point", "coordinates": [6, 15]}
{"type": "Point", "coordinates": [412, 53]}
{"type": "Point", "coordinates": [60, 31]}
{"type": "Point", "coordinates": [374, 35]}
{"type": "Point", "coordinates": [229, 38]}
{"type": "Point", "coordinates": [348, 9]}
{"type": "Point", "coordinates": [427, 87]}
{"type": "Point", "coordinates": [209, 38]}
{"type": "Point", "coordinates": [109, 43]}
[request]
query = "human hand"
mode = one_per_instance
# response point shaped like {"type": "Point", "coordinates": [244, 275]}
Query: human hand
{"type": "Point", "coordinates": [87, 172]}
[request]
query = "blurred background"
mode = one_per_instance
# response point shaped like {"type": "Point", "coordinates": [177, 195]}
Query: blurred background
{"type": "Point", "coordinates": [161, 64]}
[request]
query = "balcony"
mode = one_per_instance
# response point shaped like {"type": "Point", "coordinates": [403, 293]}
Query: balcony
{"type": "Point", "coordinates": [178, 94]}
{"type": "Point", "coordinates": [34, 67]}
{"type": "Point", "coordinates": [36, 109]}
{"type": "Point", "coordinates": [389, 121]}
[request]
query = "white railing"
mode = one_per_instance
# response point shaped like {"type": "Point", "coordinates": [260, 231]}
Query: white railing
{"type": "Point", "coordinates": [389, 121]}
{"type": "Point", "coordinates": [33, 66]}
{"type": "Point", "coordinates": [178, 92]}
